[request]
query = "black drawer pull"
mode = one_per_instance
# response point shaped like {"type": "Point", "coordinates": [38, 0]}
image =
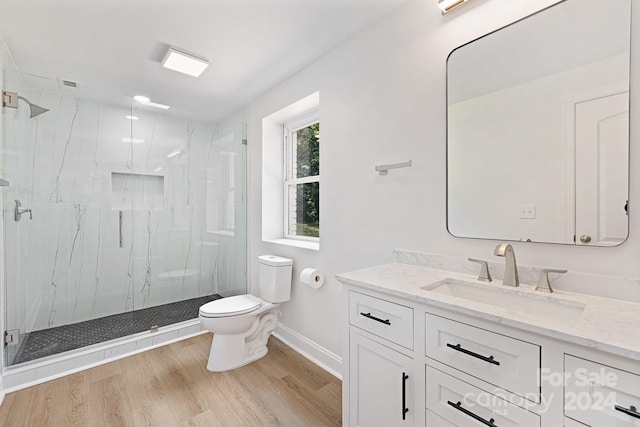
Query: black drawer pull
{"type": "Point", "coordinates": [459, 348]}
{"type": "Point", "coordinates": [632, 411]}
{"type": "Point", "coordinates": [377, 319]}
{"type": "Point", "coordinates": [459, 407]}
{"type": "Point", "coordinates": [405, 377]}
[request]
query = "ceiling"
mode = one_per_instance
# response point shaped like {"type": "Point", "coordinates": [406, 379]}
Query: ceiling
{"type": "Point", "coordinates": [115, 46]}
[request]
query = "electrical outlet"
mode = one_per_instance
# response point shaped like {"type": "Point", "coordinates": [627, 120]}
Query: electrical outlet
{"type": "Point", "coordinates": [527, 211]}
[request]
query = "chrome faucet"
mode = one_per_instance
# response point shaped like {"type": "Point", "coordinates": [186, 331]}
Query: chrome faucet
{"type": "Point", "coordinates": [510, 269]}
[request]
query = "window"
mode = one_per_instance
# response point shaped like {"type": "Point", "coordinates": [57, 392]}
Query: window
{"type": "Point", "coordinates": [290, 174]}
{"type": "Point", "coordinates": [302, 177]}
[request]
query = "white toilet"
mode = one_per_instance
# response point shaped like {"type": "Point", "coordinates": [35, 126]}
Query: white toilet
{"type": "Point", "coordinates": [241, 324]}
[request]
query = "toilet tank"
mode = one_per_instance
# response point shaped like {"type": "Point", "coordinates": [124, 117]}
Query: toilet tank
{"type": "Point", "coordinates": [274, 276]}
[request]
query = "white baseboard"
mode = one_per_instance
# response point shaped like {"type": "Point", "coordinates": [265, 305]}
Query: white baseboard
{"type": "Point", "coordinates": [1, 390]}
{"type": "Point", "coordinates": [319, 355]}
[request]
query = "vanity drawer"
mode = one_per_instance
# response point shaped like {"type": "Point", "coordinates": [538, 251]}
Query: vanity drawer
{"type": "Point", "coordinates": [599, 395]}
{"type": "Point", "coordinates": [385, 319]}
{"type": "Point", "coordinates": [505, 362]}
{"type": "Point", "coordinates": [465, 405]}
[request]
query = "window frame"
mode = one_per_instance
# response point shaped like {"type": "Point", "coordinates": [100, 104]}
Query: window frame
{"type": "Point", "coordinates": [300, 122]}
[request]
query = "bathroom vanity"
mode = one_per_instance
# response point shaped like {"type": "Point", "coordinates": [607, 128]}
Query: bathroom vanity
{"type": "Point", "coordinates": [428, 347]}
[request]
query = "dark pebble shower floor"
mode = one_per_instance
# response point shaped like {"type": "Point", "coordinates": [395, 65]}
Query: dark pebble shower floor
{"type": "Point", "coordinates": [47, 342]}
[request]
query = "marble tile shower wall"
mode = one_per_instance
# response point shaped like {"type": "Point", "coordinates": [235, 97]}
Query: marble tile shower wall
{"type": "Point", "coordinates": [74, 261]}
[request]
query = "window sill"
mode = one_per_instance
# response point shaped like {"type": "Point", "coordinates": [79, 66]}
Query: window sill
{"type": "Point", "coordinates": [296, 243]}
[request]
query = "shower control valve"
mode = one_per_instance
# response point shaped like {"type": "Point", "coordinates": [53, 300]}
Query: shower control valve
{"type": "Point", "coordinates": [19, 211]}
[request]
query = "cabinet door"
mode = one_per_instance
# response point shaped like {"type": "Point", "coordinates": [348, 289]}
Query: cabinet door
{"type": "Point", "coordinates": [380, 384]}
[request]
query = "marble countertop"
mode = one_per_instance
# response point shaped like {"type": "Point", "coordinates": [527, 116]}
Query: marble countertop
{"type": "Point", "coordinates": [605, 324]}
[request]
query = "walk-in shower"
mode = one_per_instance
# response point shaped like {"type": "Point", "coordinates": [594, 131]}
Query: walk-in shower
{"type": "Point", "coordinates": [106, 233]}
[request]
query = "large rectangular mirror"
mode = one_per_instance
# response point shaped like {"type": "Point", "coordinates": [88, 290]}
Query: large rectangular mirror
{"type": "Point", "coordinates": [538, 128]}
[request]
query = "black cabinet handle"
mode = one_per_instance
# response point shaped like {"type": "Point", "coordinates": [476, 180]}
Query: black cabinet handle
{"type": "Point", "coordinates": [632, 411]}
{"type": "Point", "coordinates": [459, 348]}
{"type": "Point", "coordinates": [405, 377]}
{"type": "Point", "coordinates": [377, 319]}
{"type": "Point", "coordinates": [459, 407]}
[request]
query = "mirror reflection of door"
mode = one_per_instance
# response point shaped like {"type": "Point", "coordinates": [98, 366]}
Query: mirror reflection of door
{"type": "Point", "coordinates": [601, 146]}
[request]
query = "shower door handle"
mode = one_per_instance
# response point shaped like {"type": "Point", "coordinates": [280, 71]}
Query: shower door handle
{"type": "Point", "coordinates": [121, 238]}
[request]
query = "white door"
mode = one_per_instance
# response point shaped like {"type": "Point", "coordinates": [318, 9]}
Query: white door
{"type": "Point", "coordinates": [378, 379]}
{"type": "Point", "coordinates": [602, 166]}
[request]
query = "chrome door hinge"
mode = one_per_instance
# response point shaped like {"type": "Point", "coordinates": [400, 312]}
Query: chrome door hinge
{"type": "Point", "coordinates": [12, 337]}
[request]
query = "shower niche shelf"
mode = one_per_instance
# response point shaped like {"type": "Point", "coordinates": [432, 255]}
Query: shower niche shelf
{"type": "Point", "coordinates": [130, 191]}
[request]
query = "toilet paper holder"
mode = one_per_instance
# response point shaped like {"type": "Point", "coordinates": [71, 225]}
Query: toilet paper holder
{"type": "Point", "coordinates": [312, 277]}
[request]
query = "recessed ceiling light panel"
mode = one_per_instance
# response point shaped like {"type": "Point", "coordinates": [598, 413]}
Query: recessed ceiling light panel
{"type": "Point", "coordinates": [184, 62]}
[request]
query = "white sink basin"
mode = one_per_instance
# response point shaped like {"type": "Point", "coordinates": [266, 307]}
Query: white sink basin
{"type": "Point", "coordinates": [544, 306]}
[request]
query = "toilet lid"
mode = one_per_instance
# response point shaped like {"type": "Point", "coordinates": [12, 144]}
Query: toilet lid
{"type": "Point", "coordinates": [231, 306]}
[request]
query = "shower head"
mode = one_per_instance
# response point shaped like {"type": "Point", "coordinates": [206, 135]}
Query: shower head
{"type": "Point", "coordinates": [36, 110]}
{"type": "Point", "coordinates": [10, 99]}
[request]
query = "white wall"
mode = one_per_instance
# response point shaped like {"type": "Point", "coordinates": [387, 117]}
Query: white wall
{"type": "Point", "coordinates": [383, 100]}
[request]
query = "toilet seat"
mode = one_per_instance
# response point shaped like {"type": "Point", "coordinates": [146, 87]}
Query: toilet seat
{"type": "Point", "coordinates": [231, 306]}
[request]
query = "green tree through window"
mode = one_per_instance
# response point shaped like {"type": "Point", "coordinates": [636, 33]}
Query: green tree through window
{"type": "Point", "coordinates": [308, 195]}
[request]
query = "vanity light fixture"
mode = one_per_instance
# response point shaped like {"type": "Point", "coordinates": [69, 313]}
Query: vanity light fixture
{"type": "Point", "coordinates": [448, 5]}
{"type": "Point", "coordinates": [144, 100]}
{"type": "Point", "coordinates": [184, 62]}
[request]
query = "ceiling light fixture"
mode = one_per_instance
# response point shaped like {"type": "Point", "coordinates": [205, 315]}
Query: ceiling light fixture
{"type": "Point", "coordinates": [184, 62]}
{"type": "Point", "coordinates": [174, 153]}
{"type": "Point", "coordinates": [448, 5]}
{"type": "Point", "coordinates": [132, 117]}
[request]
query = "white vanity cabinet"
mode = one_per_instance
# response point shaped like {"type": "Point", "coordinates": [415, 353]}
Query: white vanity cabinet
{"type": "Point", "coordinates": [381, 378]}
{"type": "Point", "coordinates": [413, 360]}
{"type": "Point", "coordinates": [381, 382]}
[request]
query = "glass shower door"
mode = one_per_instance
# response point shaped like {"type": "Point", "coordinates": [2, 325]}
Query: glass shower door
{"type": "Point", "coordinates": [64, 267]}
